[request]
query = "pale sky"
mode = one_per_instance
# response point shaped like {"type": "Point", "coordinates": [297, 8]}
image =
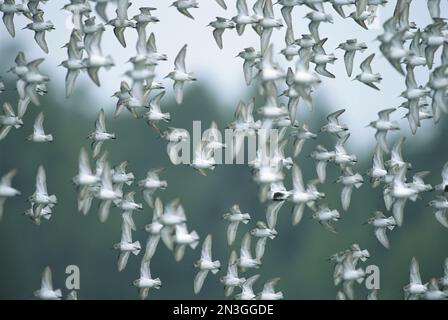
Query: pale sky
{"type": "Point", "coordinates": [221, 70]}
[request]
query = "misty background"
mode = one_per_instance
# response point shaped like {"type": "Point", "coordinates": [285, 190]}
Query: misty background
{"type": "Point", "coordinates": [298, 255]}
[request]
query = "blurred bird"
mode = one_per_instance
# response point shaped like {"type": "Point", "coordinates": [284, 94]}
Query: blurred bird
{"type": "Point", "coordinates": [6, 190]}
{"type": "Point", "coordinates": [235, 216]}
{"type": "Point", "coordinates": [231, 279]}
{"type": "Point", "coordinates": [38, 131]}
{"type": "Point", "coordinates": [100, 134]}
{"type": "Point", "coordinates": [220, 25]}
{"type": "Point", "coordinates": [183, 5]}
{"type": "Point", "coordinates": [268, 292]}
{"type": "Point", "coordinates": [46, 291]}
{"type": "Point", "coordinates": [8, 120]}
{"type": "Point", "coordinates": [180, 75]}
{"type": "Point", "coordinates": [126, 246]}
{"type": "Point", "coordinates": [247, 292]}
{"type": "Point", "coordinates": [146, 282]}
{"type": "Point", "coordinates": [415, 288]}
{"type": "Point", "coordinates": [381, 223]}
{"type": "Point", "coordinates": [205, 264]}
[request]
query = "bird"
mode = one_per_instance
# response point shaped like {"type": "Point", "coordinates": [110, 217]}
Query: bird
{"type": "Point", "coordinates": [361, 15]}
{"type": "Point", "coordinates": [444, 279]}
{"type": "Point", "coordinates": [106, 193]}
{"type": "Point", "coordinates": [322, 156]}
{"type": "Point", "coordinates": [250, 57]}
{"type": "Point", "coordinates": [128, 206]}
{"type": "Point", "coordinates": [231, 279]}
{"type": "Point", "coordinates": [268, 22]}
{"type": "Point", "coordinates": [443, 186]}
{"type": "Point", "coordinates": [6, 190]}
{"type": "Point", "coordinates": [383, 125]}
{"type": "Point", "coordinates": [220, 25]}
{"type": "Point", "coordinates": [95, 59]}
{"type": "Point", "coordinates": [9, 9]}
{"type": "Point", "coordinates": [126, 246]}
{"type": "Point", "coordinates": [2, 86]}
{"type": "Point", "coordinates": [349, 274]}
{"type": "Point", "coordinates": [350, 47]}
{"type": "Point", "coordinates": [243, 17]}
{"type": "Point", "coordinates": [333, 125]}
{"type": "Point", "coordinates": [182, 238]}
{"type": "Point", "coordinates": [151, 184]}
{"type": "Point", "coordinates": [120, 176]}
{"type": "Point", "coordinates": [146, 282]}
{"type": "Point", "coordinates": [39, 26]}
{"type": "Point", "coordinates": [434, 292]}
{"type": "Point", "coordinates": [287, 7]}
{"type": "Point", "coordinates": [100, 134]}
{"type": "Point", "coordinates": [262, 232]}
{"type": "Point", "coordinates": [154, 229]}
{"type": "Point", "coordinates": [301, 195]}
{"type": "Point", "coordinates": [8, 120]}
{"type": "Point", "coordinates": [378, 171]}
{"type": "Point", "coordinates": [321, 59]}
{"type": "Point", "coordinates": [40, 197]}
{"type": "Point", "coordinates": [122, 21]}
{"type": "Point", "coordinates": [324, 215]}
{"type": "Point", "coordinates": [183, 5]}
{"type": "Point", "coordinates": [381, 224]}
{"type": "Point", "coordinates": [440, 204]}
{"type": "Point", "coordinates": [180, 75]}
{"type": "Point", "coordinates": [367, 76]}
{"type": "Point", "coordinates": [74, 64]}
{"type": "Point", "coordinates": [247, 292]}
{"type": "Point", "coordinates": [101, 8]}
{"type": "Point", "coordinates": [203, 158]}
{"type": "Point", "coordinates": [338, 6]}
{"type": "Point", "coordinates": [205, 264]}
{"type": "Point", "coordinates": [401, 192]}
{"type": "Point", "coordinates": [349, 180]}
{"type": "Point", "coordinates": [155, 114]}
{"type": "Point", "coordinates": [46, 291]}
{"type": "Point", "coordinates": [415, 288]}
{"type": "Point", "coordinates": [39, 135]}
{"type": "Point", "coordinates": [268, 292]}
{"type": "Point", "coordinates": [235, 216]}
{"type": "Point", "coordinates": [300, 136]}
{"type": "Point", "coordinates": [246, 261]}
{"type": "Point", "coordinates": [316, 18]}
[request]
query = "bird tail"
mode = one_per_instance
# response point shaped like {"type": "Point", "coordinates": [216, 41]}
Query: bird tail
{"type": "Point", "coordinates": [53, 199]}
{"type": "Point", "coordinates": [138, 246]}
{"type": "Point", "coordinates": [58, 292]}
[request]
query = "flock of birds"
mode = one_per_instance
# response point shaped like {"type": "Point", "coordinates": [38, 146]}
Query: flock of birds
{"type": "Point", "coordinates": [405, 45]}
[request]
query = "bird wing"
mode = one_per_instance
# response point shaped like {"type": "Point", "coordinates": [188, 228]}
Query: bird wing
{"type": "Point", "coordinates": [297, 178]}
{"type": "Point", "coordinates": [100, 123]}
{"type": "Point", "coordinates": [366, 64]}
{"type": "Point", "coordinates": [381, 235]}
{"type": "Point", "coordinates": [38, 124]}
{"type": "Point", "coordinates": [41, 181]}
{"type": "Point", "coordinates": [179, 63]}
{"type": "Point", "coordinates": [47, 282]}
{"type": "Point", "coordinates": [231, 232]}
{"type": "Point", "coordinates": [206, 252]}
{"type": "Point", "coordinates": [199, 280]}
{"type": "Point", "coordinates": [415, 272]}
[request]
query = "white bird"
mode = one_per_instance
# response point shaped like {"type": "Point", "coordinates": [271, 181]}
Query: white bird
{"type": "Point", "coordinates": [203, 158]}
{"type": "Point", "coordinates": [154, 229]}
{"type": "Point", "coordinates": [9, 8]}
{"type": "Point", "coordinates": [380, 224]}
{"type": "Point", "coordinates": [235, 216]}
{"type": "Point", "coordinates": [334, 126]}
{"type": "Point", "coordinates": [243, 18]}
{"type": "Point", "coordinates": [155, 114]}
{"type": "Point", "coordinates": [246, 261]}
{"type": "Point", "coordinates": [367, 76]}
{"type": "Point", "coordinates": [220, 25]}
{"type": "Point", "coordinates": [247, 292]}
{"type": "Point", "coordinates": [324, 215]}
{"type": "Point", "coordinates": [151, 184]}
{"type": "Point", "coordinates": [8, 120]}
{"type": "Point", "coordinates": [378, 171]}
{"type": "Point", "coordinates": [321, 59]}
{"type": "Point", "coordinates": [126, 246]}
{"type": "Point", "coordinates": [46, 291]}
{"type": "Point", "coordinates": [250, 57]}
{"type": "Point", "coordinates": [182, 238]}
{"type": "Point", "coordinates": [440, 204]}
{"type": "Point", "coordinates": [434, 292]}
{"type": "Point", "coordinates": [349, 180]}
{"type": "Point", "coordinates": [183, 5]}
{"type": "Point", "coordinates": [268, 22]}
{"type": "Point", "coordinates": [415, 289]}
{"type": "Point", "coordinates": [205, 264]}
{"type": "Point", "coordinates": [100, 134]}
{"type": "Point", "coordinates": [40, 197]}
{"type": "Point", "coordinates": [302, 196]}
{"type": "Point", "coordinates": [444, 185]}
{"type": "Point", "coordinates": [128, 206]}
{"type": "Point", "coordinates": [146, 282]}
{"type": "Point", "coordinates": [122, 21]}
{"type": "Point", "coordinates": [350, 47]}
{"type": "Point", "coordinates": [362, 14]}
{"type": "Point", "coordinates": [316, 18]}
{"type": "Point", "coordinates": [231, 279]}
{"type": "Point", "coordinates": [74, 64]}
{"type": "Point", "coordinates": [106, 193]}
{"type": "Point", "coordinates": [350, 274]}
{"type": "Point", "coordinates": [262, 232]}
{"type": "Point", "coordinates": [322, 156]}
{"type": "Point", "coordinates": [6, 190]}
{"type": "Point", "coordinates": [268, 292]}
{"type": "Point", "coordinates": [383, 125]}
{"type": "Point", "coordinates": [401, 192]}
{"type": "Point", "coordinates": [95, 58]}
{"type": "Point", "coordinates": [39, 26]}
{"type": "Point", "coordinates": [180, 75]}
{"type": "Point", "coordinates": [38, 131]}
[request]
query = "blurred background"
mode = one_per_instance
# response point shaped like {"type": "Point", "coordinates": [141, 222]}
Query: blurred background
{"type": "Point", "coordinates": [298, 255]}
